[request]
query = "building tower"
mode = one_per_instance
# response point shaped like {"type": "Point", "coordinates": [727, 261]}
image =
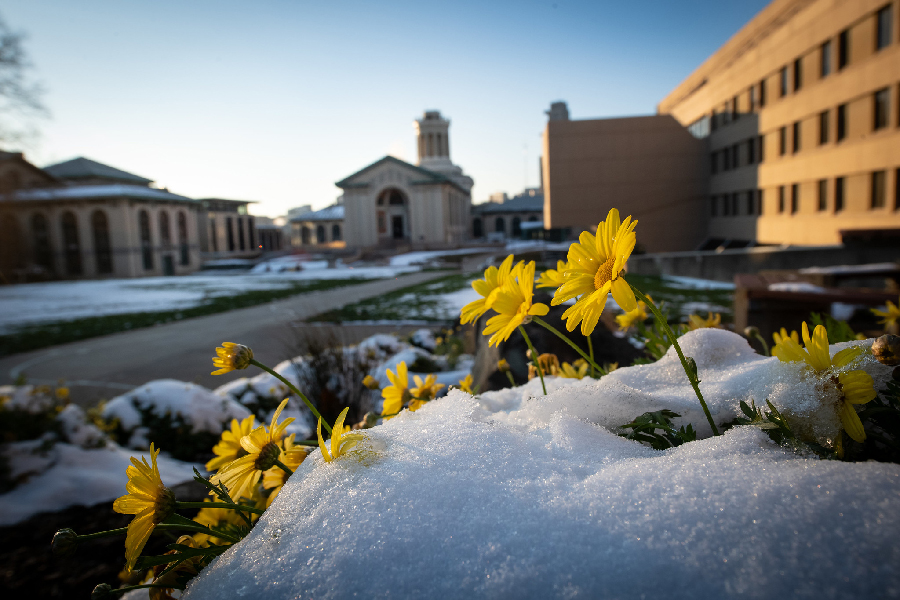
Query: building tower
{"type": "Point", "coordinates": [433, 143]}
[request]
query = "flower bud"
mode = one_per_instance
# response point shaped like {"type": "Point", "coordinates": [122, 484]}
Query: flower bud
{"type": "Point", "coordinates": [503, 365]}
{"type": "Point", "coordinates": [751, 331]}
{"type": "Point", "coordinates": [886, 350]}
{"type": "Point", "coordinates": [65, 542]}
{"type": "Point", "coordinates": [371, 383]}
{"type": "Point", "coordinates": [371, 419]}
{"type": "Point", "coordinates": [102, 591]}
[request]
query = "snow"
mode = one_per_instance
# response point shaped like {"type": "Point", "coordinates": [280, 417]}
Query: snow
{"type": "Point", "coordinates": [696, 284]}
{"type": "Point", "coordinates": [75, 476]}
{"type": "Point", "coordinates": [796, 286]}
{"type": "Point", "coordinates": [519, 495]}
{"type": "Point", "coordinates": [32, 303]}
{"type": "Point", "coordinates": [427, 256]}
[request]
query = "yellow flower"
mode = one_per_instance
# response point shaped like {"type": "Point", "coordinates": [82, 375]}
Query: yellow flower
{"type": "Point", "coordinates": [855, 387]}
{"type": "Point", "coordinates": [698, 322]}
{"type": "Point", "coordinates": [488, 288]}
{"type": "Point", "coordinates": [62, 393]}
{"type": "Point", "coordinates": [889, 316]}
{"type": "Point", "coordinates": [424, 391]}
{"type": "Point", "coordinates": [340, 442]}
{"type": "Point", "coordinates": [778, 337]}
{"type": "Point", "coordinates": [229, 447]}
{"type": "Point", "coordinates": [596, 264]}
{"type": "Point", "coordinates": [263, 449]}
{"type": "Point", "coordinates": [549, 366]}
{"type": "Point", "coordinates": [503, 365]}
{"type": "Point", "coordinates": [553, 278]}
{"type": "Point", "coordinates": [148, 500]}
{"type": "Point", "coordinates": [630, 318]}
{"type": "Point", "coordinates": [465, 384]}
{"type": "Point", "coordinates": [168, 580]}
{"type": "Point", "coordinates": [438, 340]}
{"type": "Point", "coordinates": [276, 477]}
{"type": "Point", "coordinates": [514, 307]}
{"type": "Point", "coordinates": [396, 394]}
{"type": "Point", "coordinates": [575, 371]}
{"type": "Point", "coordinates": [371, 383]}
{"type": "Point", "coordinates": [232, 357]}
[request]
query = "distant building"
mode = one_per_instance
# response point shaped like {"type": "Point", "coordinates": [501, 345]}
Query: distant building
{"type": "Point", "coordinates": [84, 219]}
{"type": "Point", "coordinates": [393, 203]}
{"type": "Point", "coordinates": [503, 220]}
{"type": "Point", "coordinates": [270, 234]}
{"type": "Point", "coordinates": [321, 228]}
{"type": "Point", "coordinates": [228, 231]}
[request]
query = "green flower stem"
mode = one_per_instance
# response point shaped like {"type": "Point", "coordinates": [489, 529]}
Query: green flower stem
{"type": "Point", "coordinates": [534, 357]}
{"type": "Point", "coordinates": [292, 388]}
{"type": "Point", "coordinates": [509, 376]}
{"type": "Point", "coordinates": [197, 528]}
{"type": "Point", "coordinates": [764, 344]}
{"type": "Point", "coordinates": [691, 373]}
{"type": "Point", "coordinates": [558, 334]}
{"type": "Point", "coordinates": [120, 531]}
{"type": "Point", "coordinates": [591, 350]}
{"type": "Point", "coordinates": [242, 507]}
{"type": "Point", "coordinates": [284, 467]}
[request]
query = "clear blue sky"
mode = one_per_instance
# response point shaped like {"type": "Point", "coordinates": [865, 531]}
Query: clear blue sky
{"type": "Point", "coordinates": [274, 101]}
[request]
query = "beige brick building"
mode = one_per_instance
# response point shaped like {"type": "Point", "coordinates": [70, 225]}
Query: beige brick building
{"type": "Point", "coordinates": [796, 139]}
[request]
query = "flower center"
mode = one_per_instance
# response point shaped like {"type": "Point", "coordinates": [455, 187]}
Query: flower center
{"type": "Point", "coordinates": [267, 456]}
{"type": "Point", "coordinates": [164, 505]}
{"type": "Point", "coordinates": [604, 273]}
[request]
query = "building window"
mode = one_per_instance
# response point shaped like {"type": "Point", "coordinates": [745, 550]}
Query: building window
{"type": "Point", "coordinates": [735, 156]}
{"type": "Point", "coordinates": [726, 159]}
{"type": "Point", "coordinates": [251, 233]}
{"type": "Point", "coordinates": [714, 121]}
{"type": "Point", "coordinates": [798, 74]}
{"type": "Point", "coordinates": [781, 198]}
{"type": "Point", "coordinates": [240, 230]}
{"type": "Point", "coordinates": [841, 132]}
{"type": "Point", "coordinates": [823, 194]}
{"type": "Point", "coordinates": [825, 59]}
{"type": "Point", "coordinates": [795, 141]}
{"type": "Point", "coordinates": [304, 235]}
{"type": "Point", "coordinates": [795, 198]}
{"type": "Point", "coordinates": [43, 252]}
{"type": "Point", "coordinates": [229, 233]}
{"type": "Point", "coordinates": [734, 109]}
{"type": "Point", "coordinates": [213, 234]}
{"type": "Point", "coordinates": [762, 93]}
{"type": "Point", "coordinates": [760, 197]}
{"type": "Point", "coordinates": [843, 49]}
{"type": "Point", "coordinates": [823, 127]}
{"type": "Point", "coordinates": [751, 151]}
{"type": "Point", "coordinates": [726, 206]}
{"type": "Point", "coordinates": [165, 236]}
{"type": "Point", "coordinates": [838, 194]}
{"type": "Point", "coordinates": [146, 241]}
{"type": "Point", "coordinates": [185, 258]}
{"type": "Point", "coordinates": [335, 233]}
{"type": "Point", "coordinates": [735, 207]}
{"type": "Point", "coordinates": [713, 163]}
{"type": "Point", "coordinates": [782, 141]}
{"type": "Point", "coordinates": [713, 208]}
{"type": "Point", "coordinates": [320, 234]}
{"type": "Point", "coordinates": [878, 189]}
{"type": "Point", "coordinates": [516, 227]}
{"type": "Point", "coordinates": [882, 103]}
{"type": "Point", "coordinates": [883, 35]}
{"type": "Point", "coordinates": [750, 199]}
{"type": "Point", "coordinates": [102, 248]}
{"type": "Point", "coordinates": [784, 81]}
{"type": "Point", "coordinates": [499, 225]}
{"type": "Point", "coordinates": [762, 147]}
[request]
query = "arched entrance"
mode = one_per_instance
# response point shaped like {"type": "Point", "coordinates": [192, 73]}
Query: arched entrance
{"type": "Point", "coordinates": [393, 215]}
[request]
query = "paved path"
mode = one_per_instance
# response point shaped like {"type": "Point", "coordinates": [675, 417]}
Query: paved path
{"type": "Point", "coordinates": [103, 367]}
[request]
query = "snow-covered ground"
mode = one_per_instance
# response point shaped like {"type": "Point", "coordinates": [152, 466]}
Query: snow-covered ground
{"type": "Point", "coordinates": [65, 300]}
{"type": "Point", "coordinates": [519, 495]}
{"type": "Point", "coordinates": [427, 256]}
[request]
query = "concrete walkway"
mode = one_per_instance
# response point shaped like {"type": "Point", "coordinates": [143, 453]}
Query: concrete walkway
{"type": "Point", "coordinates": [103, 367]}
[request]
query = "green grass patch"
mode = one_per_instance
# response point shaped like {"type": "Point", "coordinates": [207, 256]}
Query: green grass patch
{"type": "Point", "coordinates": [681, 300]}
{"type": "Point", "coordinates": [42, 335]}
{"type": "Point", "coordinates": [414, 303]}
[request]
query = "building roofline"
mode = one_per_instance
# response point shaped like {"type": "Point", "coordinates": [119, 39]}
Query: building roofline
{"type": "Point", "coordinates": [433, 175]}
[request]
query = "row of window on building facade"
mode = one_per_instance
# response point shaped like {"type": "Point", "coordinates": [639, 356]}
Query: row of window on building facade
{"type": "Point", "coordinates": [729, 158]}
{"type": "Point", "coordinates": [244, 241]}
{"type": "Point", "coordinates": [791, 78]}
{"type": "Point", "coordinates": [831, 196]}
{"type": "Point", "coordinates": [321, 234]}
{"type": "Point", "coordinates": [500, 226]}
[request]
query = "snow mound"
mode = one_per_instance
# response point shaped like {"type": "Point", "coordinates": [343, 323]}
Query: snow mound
{"type": "Point", "coordinates": [74, 476]}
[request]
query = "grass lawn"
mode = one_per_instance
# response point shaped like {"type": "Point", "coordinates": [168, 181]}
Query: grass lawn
{"type": "Point", "coordinates": [42, 335]}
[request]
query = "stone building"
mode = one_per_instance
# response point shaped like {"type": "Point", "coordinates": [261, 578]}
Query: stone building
{"type": "Point", "coordinates": [393, 203]}
{"type": "Point", "coordinates": [227, 230]}
{"type": "Point", "coordinates": [510, 217]}
{"type": "Point", "coordinates": [319, 228]}
{"type": "Point", "coordinates": [84, 219]}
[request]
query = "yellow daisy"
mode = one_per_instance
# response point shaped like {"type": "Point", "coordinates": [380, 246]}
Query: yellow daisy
{"type": "Point", "coordinates": [549, 366]}
{"type": "Point", "coordinates": [276, 477]}
{"type": "Point", "coordinates": [263, 449]}
{"type": "Point", "coordinates": [596, 264]}
{"type": "Point", "coordinates": [698, 322]}
{"type": "Point", "coordinates": [889, 316]}
{"type": "Point", "coordinates": [778, 337]}
{"type": "Point", "coordinates": [231, 357]}
{"type": "Point", "coordinates": [553, 278]}
{"type": "Point", "coordinates": [424, 391]}
{"type": "Point", "coordinates": [340, 442]}
{"type": "Point", "coordinates": [397, 394]}
{"type": "Point", "coordinates": [465, 384]}
{"type": "Point", "coordinates": [855, 387]}
{"type": "Point", "coordinates": [229, 447]}
{"type": "Point", "coordinates": [632, 317]}
{"type": "Point", "coordinates": [488, 288]}
{"type": "Point", "coordinates": [514, 307]}
{"type": "Point", "coordinates": [148, 500]}
{"type": "Point", "coordinates": [371, 383]}
{"type": "Point", "coordinates": [574, 371]}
